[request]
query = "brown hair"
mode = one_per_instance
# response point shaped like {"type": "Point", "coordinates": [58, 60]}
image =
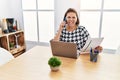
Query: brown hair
{"type": "Point", "coordinates": [74, 11]}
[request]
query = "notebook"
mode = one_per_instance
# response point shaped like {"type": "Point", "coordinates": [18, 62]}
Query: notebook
{"type": "Point", "coordinates": [91, 43]}
{"type": "Point", "coordinates": [64, 49]}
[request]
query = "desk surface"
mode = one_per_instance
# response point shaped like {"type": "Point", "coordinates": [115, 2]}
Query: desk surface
{"type": "Point", "coordinates": [33, 65]}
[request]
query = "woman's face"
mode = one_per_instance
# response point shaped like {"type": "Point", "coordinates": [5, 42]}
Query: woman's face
{"type": "Point", "coordinates": [71, 19]}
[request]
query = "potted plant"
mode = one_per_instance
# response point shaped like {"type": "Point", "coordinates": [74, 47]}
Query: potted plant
{"type": "Point", "coordinates": [54, 63]}
{"type": "Point", "coordinates": [11, 44]}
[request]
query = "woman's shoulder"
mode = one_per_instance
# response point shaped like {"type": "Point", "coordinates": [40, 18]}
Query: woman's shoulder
{"type": "Point", "coordinates": [81, 27]}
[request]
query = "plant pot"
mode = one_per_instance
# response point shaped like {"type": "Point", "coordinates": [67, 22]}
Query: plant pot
{"type": "Point", "coordinates": [54, 68]}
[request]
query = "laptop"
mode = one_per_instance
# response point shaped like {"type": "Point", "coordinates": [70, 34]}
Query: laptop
{"type": "Point", "coordinates": [91, 43]}
{"type": "Point", "coordinates": [64, 49]}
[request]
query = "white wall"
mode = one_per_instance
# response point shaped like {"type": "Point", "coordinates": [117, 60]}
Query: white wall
{"type": "Point", "coordinates": [11, 8]}
{"type": "Point", "coordinates": [4, 8]}
{"type": "Point", "coordinates": [60, 8]}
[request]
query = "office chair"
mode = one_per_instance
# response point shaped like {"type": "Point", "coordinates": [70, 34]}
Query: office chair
{"type": "Point", "coordinates": [118, 50]}
{"type": "Point", "coordinates": [5, 56]}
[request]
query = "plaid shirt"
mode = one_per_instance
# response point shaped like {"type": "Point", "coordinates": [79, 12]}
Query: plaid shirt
{"type": "Point", "coordinates": [78, 36]}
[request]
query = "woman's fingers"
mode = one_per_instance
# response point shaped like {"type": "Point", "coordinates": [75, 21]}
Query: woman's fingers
{"type": "Point", "coordinates": [99, 48]}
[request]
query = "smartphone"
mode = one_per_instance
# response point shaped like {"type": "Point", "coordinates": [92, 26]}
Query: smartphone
{"type": "Point", "coordinates": [64, 19]}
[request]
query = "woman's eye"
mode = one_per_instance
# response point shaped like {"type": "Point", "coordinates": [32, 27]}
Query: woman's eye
{"type": "Point", "coordinates": [69, 17]}
{"type": "Point", "coordinates": [73, 17]}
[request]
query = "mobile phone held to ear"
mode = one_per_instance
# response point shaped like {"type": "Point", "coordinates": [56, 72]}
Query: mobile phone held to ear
{"type": "Point", "coordinates": [64, 19]}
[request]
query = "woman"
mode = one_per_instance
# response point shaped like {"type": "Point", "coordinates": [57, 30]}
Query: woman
{"type": "Point", "coordinates": [70, 31]}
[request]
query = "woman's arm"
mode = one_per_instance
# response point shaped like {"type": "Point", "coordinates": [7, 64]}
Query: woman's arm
{"type": "Point", "coordinates": [57, 36]}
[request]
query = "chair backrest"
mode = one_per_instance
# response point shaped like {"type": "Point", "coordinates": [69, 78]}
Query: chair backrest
{"type": "Point", "coordinates": [5, 56]}
{"type": "Point", "coordinates": [118, 50]}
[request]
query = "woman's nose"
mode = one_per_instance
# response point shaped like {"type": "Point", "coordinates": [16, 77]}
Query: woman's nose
{"type": "Point", "coordinates": [71, 18]}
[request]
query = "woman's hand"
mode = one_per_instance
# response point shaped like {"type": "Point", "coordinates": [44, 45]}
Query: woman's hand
{"type": "Point", "coordinates": [99, 48]}
{"type": "Point", "coordinates": [63, 23]}
{"type": "Point", "coordinates": [57, 36]}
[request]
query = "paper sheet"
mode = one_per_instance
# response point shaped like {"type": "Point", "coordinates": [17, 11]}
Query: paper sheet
{"type": "Point", "coordinates": [91, 43]}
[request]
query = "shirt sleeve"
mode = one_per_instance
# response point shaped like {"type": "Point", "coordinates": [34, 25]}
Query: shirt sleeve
{"type": "Point", "coordinates": [62, 38]}
{"type": "Point", "coordinates": [85, 36]}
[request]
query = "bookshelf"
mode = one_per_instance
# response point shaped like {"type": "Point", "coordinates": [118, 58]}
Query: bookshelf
{"type": "Point", "coordinates": [13, 42]}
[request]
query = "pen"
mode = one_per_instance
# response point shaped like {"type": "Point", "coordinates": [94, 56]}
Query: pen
{"type": "Point", "coordinates": [91, 54]}
{"type": "Point", "coordinates": [96, 52]}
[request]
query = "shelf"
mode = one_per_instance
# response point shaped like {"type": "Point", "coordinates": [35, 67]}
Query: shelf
{"type": "Point", "coordinates": [17, 50]}
{"type": "Point", "coordinates": [11, 33]}
{"type": "Point", "coordinates": [10, 40]}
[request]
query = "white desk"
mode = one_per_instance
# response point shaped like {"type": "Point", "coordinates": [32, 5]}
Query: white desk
{"type": "Point", "coordinates": [33, 65]}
